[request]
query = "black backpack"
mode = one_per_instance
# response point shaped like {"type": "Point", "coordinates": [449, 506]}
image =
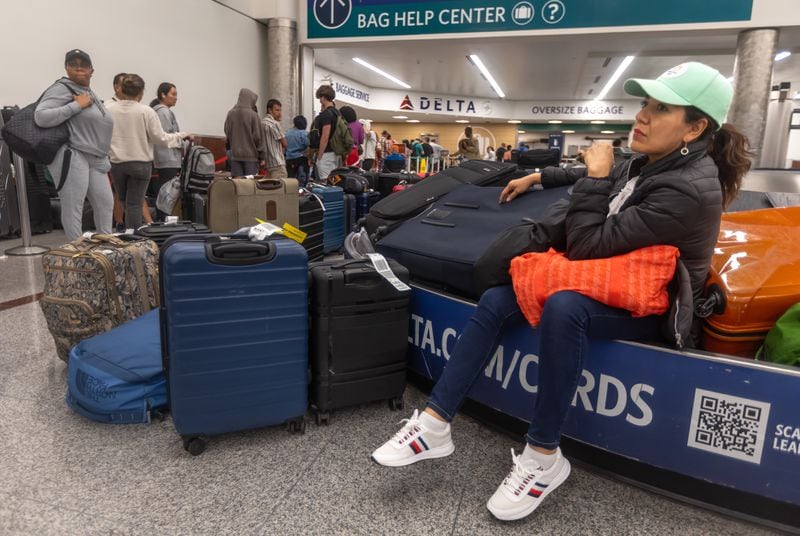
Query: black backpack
{"type": "Point", "coordinates": [427, 149]}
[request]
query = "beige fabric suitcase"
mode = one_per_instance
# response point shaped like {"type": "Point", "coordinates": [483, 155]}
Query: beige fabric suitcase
{"type": "Point", "coordinates": [234, 203]}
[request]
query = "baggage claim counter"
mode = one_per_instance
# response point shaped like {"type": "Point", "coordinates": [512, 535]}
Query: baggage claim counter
{"type": "Point", "coordinates": [710, 429]}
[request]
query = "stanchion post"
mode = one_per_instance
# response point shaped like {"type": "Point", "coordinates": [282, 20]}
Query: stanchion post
{"type": "Point", "coordinates": [26, 249]}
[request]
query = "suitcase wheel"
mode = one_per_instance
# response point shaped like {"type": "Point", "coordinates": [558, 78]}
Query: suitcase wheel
{"type": "Point", "coordinates": [396, 404]}
{"type": "Point", "coordinates": [297, 426]}
{"type": "Point", "coordinates": [323, 418]}
{"type": "Point", "coordinates": [194, 445]}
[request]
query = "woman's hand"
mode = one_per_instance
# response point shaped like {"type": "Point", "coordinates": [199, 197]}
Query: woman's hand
{"type": "Point", "coordinates": [599, 160]}
{"type": "Point", "coordinates": [517, 187]}
{"type": "Point", "coordinates": [84, 100]}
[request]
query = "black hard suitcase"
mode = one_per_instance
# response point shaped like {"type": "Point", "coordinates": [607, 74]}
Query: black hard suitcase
{"type": "Point", "coordinates": [9, 209]}
{"type": "Point", "coordinates": [38, 198]}
{"type": "Point", "coordinates": [196, 207]}
{"type": "Point", "coordinates": [384, 182]}
{"type": "Point", "coordinates": [158, 232]}
{"type": "Point", "coordinates": [312, 223]}
{"type": "Point", "coordinates": [359, 336]}
{"type": "Point", "coordinates": [442, 245]}
{"type": "Point", "coordinates": [391, 211]}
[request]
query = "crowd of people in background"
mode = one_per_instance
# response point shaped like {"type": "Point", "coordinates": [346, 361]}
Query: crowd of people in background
{"type": "Point", "coordinates": [121, 150]}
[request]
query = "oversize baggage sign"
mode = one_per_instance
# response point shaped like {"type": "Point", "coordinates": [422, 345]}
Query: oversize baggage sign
{"type": "Point", "coordinates": [729, 421]}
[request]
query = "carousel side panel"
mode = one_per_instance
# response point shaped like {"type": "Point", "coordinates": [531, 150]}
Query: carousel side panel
{"type": "Point", "coordinates": [722, 420]}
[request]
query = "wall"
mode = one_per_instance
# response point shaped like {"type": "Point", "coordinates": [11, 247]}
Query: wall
{"type": "Point", "coordinates": [449, 133]}
{"type": "Point", "coordinates": [207, 50]}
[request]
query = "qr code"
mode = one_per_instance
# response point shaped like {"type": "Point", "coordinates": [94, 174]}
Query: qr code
{"type": "Point", "coordinates": [728, 425]}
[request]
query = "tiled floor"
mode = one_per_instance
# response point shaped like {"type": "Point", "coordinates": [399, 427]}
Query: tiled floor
{"type": "Point", "coordinates": [62, 474]}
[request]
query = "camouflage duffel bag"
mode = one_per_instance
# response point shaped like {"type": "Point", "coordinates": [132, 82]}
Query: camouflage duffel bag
{"type": "Point", "coordinates": [95, 284]}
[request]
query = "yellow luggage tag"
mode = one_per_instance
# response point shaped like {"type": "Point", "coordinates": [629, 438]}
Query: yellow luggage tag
{"type": "Point", "coordinates": [290, 231]}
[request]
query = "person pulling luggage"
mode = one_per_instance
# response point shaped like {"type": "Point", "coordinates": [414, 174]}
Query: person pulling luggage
{"type": "Point", "coordinates": [673, 193]}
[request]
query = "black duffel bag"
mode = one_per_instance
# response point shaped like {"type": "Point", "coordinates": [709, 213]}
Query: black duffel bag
{"type": "Point", "coordinates": [29, 140]}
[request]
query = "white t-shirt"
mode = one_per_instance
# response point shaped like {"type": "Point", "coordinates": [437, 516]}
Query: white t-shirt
{"type": "Point", "coordinates": [370, 141]}
{"type": "Point", "coordinates": [623, 195]}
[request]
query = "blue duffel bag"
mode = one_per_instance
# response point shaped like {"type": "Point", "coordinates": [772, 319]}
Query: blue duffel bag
{"type": "Point", "coordinates": [117, 377]}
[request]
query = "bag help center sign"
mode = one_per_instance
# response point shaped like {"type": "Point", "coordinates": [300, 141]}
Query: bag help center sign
{"type": "Point", "coordinates": [359, 18]}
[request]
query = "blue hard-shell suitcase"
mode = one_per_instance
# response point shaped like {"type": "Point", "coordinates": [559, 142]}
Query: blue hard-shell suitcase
{"type": "Point", "coordinates": [334, 222]}
{"type": "Point", "coordinates": [365, 202]}
{"type": "Point", "coordinates": [234, 334]}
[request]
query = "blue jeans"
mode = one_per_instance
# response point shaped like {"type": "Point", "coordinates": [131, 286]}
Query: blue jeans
{"type": "Point", "coordinates": [568, 320]}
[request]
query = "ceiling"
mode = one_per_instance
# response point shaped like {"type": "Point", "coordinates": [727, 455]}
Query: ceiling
{"type": "Point", "coordinates": [543, 67]}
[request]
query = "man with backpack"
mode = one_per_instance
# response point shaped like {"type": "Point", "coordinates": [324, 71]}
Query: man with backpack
{"type": "Point", "coordinates": [330, 135]}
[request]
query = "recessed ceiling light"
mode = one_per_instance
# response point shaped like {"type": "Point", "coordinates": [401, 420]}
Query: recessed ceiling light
{"type": "Point", "coordinates": [782, 55]}
{"type": "Point", "coordinates": [598, 122]}
{"type": "Point", "coordinates": [399, 117]}
{"type": "Point", "coordinates": [555, 121]}
{"type": "Point", "coordinates": [514, 121]}
{"type": "Point", "coordinates": [462, 120]}
{"type": "Point", "coordinates": [382, 73]}
{"type": "Point", "coordinates": [412, 121]}
{"type": "Point", "coordinates": [520, 132]}
{"type": "Point", "coordinates": [614, 77]}
{"type": "Point", "coordinates": [606, 132]}
{"type": "Point", "coordinates": [568, 132]}
{"type": "Point", "coordinates": [476, 61]}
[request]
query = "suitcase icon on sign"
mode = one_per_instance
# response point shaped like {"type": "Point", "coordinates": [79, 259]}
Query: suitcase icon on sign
{"type": "Point", "coordinates": [522, 13]}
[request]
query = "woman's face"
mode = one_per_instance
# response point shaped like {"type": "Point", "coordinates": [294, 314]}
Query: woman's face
{"type": "Point", "coordinates": [171, 98]}
{"type": "Point", "coordinates": [661, 129]}
{"type": "Point", "coordinates": [79, 72]}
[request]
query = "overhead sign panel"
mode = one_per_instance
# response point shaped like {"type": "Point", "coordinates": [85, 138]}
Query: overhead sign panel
{"type": "Point", "coordinates": [360, 18]}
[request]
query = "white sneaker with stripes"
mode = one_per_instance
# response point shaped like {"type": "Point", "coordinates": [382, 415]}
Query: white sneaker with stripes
{"type": "Point", "coordinates": [524, 489]}
{"type": "Point", "coordinates": [414, 442]}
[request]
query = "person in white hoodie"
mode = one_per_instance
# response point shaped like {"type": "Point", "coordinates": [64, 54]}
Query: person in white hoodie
{"type": "Point", "coordinates": [137, 129]}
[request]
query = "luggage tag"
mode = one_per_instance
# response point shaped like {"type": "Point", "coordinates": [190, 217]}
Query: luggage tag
{"type": "Point", "coordinates": [171, 220]}
{"type": "Point", "coordinates": [382, 267]}
{"type": "Point", "coordinates": [263, 230]}
{"type": "Point", "coordinates": [290, 231]}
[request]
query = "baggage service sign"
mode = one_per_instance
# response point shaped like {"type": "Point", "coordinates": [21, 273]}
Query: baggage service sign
{"type": "Point", "coordinates": [360, 18]}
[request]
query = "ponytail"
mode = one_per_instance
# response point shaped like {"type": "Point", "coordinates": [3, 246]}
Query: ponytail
{"type": "Point", "coordinates": [154, 103]}
{"type": "Point", "coordinates": [730, 150]}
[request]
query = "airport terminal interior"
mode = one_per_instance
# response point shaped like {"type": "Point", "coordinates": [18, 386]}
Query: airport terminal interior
{"type": "Point", "coordinates": [536, 78]}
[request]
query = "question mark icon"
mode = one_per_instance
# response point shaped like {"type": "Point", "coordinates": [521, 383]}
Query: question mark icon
{"type": "Point", "coordinates": [553, 11]}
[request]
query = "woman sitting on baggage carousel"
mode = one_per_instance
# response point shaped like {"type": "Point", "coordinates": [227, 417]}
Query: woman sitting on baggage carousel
{"type": "Point", "coordinates": [672, 193]}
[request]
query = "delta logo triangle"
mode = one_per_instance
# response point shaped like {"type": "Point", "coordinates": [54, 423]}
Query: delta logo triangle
{"type": "Point", "coordinates": [406, 104]}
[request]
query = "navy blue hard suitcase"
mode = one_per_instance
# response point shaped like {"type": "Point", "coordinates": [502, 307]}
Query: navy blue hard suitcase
{"type": "Point", "coordinates": [234, 334]}
{"type": "Point", "coordinates": [333, 201]}
{"type": "Point", "coordinates": [350, 213]}
{"type": "Point", "coordinates": [442, 244]}
{"type": "Point", "coordinates": [365, 202]}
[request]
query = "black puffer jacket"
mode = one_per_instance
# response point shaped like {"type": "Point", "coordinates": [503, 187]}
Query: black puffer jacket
{"type": "Point", "coordinates": [677, 201]}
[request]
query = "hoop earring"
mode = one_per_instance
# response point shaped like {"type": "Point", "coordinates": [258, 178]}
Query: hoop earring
{"type": "Point", "coordinates": [684, 149]}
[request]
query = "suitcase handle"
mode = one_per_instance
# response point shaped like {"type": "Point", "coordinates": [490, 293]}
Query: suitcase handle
{"type": "Point", "coordinates": [269, 184]}
{"type": "Point", "coordinates": [462, 205]}
{"type": "Point", "coordinates": [438, 223]}
{"type": "Point", "coordinates": [240, 253]}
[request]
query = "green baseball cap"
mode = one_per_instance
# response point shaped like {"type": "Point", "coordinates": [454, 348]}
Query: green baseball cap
{"type": "Point", "coordinates": [688, 84]}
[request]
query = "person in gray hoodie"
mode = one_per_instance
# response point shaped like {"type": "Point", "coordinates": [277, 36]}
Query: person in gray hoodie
{"type": "Point", "coordinates": [245, 135]}
{"type": "Point", "coordinates": [80, 166]}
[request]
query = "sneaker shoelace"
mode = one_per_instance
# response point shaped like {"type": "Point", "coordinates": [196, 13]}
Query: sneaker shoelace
{"type": "Point", "coordinates": [411, 428]}
{"type": "Point", "coordinates": [519, 477]}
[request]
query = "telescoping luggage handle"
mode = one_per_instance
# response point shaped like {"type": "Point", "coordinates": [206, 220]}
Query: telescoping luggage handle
{"type": "Point", "coordinates": [238, 252]}
{"type": "Point", "coordinates": [269, 184]}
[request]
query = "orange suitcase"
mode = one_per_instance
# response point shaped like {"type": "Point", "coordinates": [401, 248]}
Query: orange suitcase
{"type": "Point", "coordinates": [755, 273]}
